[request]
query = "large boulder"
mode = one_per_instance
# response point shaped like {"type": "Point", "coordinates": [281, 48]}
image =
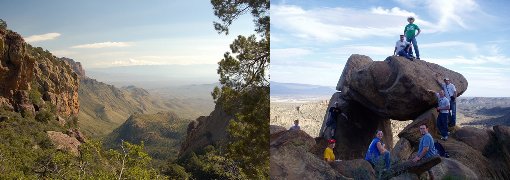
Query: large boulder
{"type": "Point", "coordinates": [276, 129]}
{"type": "Point", "coordinates": [395, 88]}
{"type": "Point", "coordinates": [412, 131]}
{"type": "Point", "coordinates": [290, 158]}
{"type": "Point", "coordinates": [356, 169]}
{"type": "Point", "coordinates": [402, 150]}
{"type": "Point", "coordinates": [451, 168]}
{"type": "Point", "coordinates": [354, 133]}
{"type": "Point", "coordinates": [64, 142]}
{"type": "Point", "coordinates": [477, 138]}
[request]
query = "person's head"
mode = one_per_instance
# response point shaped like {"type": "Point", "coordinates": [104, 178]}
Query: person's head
{"type": "Point", "coordinates": [441, 93]}
{"type": "Point", "coordinates": [296, 122]}
{"type": "Point", "coordinates": [336, 104]}
{"type": "Point", "coordinates": [446, 80]}
{"type": "Point", "coordinates": [410, 19]}
{"type": "Point", "coordinates": [423, 129]}
{"type": "Point", "coordinates": [401, 37]}
{"type": "Point", "coordinates": [331, 143]}
{"type": "Point", "coordinates": [379, 134]}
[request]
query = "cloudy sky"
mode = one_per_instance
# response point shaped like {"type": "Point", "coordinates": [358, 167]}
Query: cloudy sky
{"type": "Point", "coordinates": [311, 40]}
{"type": "Point", "coordinates": [103, 34]}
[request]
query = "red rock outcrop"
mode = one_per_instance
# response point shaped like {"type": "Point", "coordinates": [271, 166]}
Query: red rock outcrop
{"type": "Point", "coordinates": [30, 75]}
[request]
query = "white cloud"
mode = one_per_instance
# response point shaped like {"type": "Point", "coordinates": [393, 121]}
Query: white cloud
{"type": "Point", "coordinates": [450, 15]}
{"type": "Point", "coordinates": [364, 49]}
{"type": "Point", "coordinates": [393, 11]}
{"type": "Point", "coordinates": [42, 37]}
{"type": "Point", "coordinates": [289, 52]}
{"type": "Point", "coordinates": [333, 24]}
{"type": "Point", "coordinates": [134, 62]}
{"type": "Point", "coordinates": [464, 45]}
{"type": "Point", "coordinates": [103, 45]}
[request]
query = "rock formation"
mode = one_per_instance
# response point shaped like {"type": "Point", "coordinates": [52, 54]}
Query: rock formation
{"type": "Point", "coordinates": [31, 76]}
{"type": "Point", "coordinates": [395, 88]}
{"type": "Point", "coordinates": [374, 92]}
{"type": "Point", "coordinates": [64, 142]}
{"type": "Point", "coordinates": [206, 130]}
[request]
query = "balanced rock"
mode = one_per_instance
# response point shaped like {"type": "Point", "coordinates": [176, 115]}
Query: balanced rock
{"type": "Point", "coordinates": [395, 88]}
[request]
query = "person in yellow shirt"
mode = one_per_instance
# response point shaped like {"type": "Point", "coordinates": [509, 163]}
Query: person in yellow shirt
{"type": "Point", "coordinates": [329, 156]}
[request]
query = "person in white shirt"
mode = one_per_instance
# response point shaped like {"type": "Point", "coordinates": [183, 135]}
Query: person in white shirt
{"type": "Point", "coordinates": [451, 94]}
{"type": "Point", "coordinates": [296, 126]}
{"type": "Point", "coordinates": [403, 48]}
{"type": "Point", "coordinates": [443, 107]}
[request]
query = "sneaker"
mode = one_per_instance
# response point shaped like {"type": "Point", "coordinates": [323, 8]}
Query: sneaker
{"type": "Point", "coordinates": [418, 58]}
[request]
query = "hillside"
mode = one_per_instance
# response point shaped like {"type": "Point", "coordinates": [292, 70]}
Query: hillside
{"type": "Point", "coordinates": [105, 107]}
{"type": "Point", "coordinates": [161, 134]}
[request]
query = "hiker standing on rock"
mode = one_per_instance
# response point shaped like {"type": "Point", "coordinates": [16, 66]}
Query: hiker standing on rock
{"type": "Point", "coordinates": [376, 149]}
{"type": "Point", "coordinates": [443, 107]}
{"type": "Point", "coordinates": [410, 32]}
{"type": "Point", "coordinates": [329, 156]}
{"type": "Point", "coordinates": [296, 125]}
{"type": "Point", "coordinates": [403, 48]}
{"type": "Point", "coordinates": [426, 149]}
{"type": "Point", "coordinates": [451, 94]}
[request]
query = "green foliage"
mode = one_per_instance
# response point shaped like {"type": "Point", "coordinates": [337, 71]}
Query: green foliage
{"type": "Point", "coordinates": [208, 164]}
{"type": "Point", "coordinates": [175, 171]}
{"type": "Point", "coordinates": [245, 86]}
{"type": "Point", "coordinates": [27, 152]}
{"type": "Point", "coordinates": [44, 116]}
{"type": "Point", "coordinates": [35, 96]}
{"type": "Point", "coordinates": [3, 24]}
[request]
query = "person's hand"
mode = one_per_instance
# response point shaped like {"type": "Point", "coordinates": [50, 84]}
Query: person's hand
{"type": "Point", "coordinates": [416, 159]}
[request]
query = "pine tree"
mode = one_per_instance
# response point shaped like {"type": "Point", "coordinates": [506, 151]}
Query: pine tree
{"type": "Point", "coordinates": [244, 88]}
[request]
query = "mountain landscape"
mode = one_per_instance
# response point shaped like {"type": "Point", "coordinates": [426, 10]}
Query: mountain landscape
{"type": "Point", "coordinates": [51, 109]}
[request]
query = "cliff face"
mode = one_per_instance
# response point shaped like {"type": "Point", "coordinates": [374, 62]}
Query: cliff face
{"type": "Point", "coordinates": [206, 130]}
{"type": "Point", "coordinates": [31, 77]}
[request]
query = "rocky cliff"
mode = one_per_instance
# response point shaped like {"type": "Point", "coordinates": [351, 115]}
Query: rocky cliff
{"type": "Point", "coordinates": [32, 77]}
{"type": "Point", "coordinates": [206, 130]}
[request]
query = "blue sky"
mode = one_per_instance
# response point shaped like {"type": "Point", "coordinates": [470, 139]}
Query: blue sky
{"type": "Point", "coordinates": [311, 40]}
{"type": "Point", "coordinates": [103, 34]}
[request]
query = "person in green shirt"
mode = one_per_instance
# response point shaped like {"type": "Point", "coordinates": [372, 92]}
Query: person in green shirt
{"type": "Point", "coordinates": [410, 32]}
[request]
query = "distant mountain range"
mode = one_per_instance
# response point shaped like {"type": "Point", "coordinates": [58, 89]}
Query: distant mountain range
{"type": "Point", "coordinates": [298, 90]}
{"type": "Point", "coordinates": [156, 76]}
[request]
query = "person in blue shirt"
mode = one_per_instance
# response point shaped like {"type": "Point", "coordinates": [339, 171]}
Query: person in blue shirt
{"type": "Point", "coordinates": [296, 125]}
{"type": "Point", "coordinates": [377, 150]}
{"type": "Point", "coordinates": [426, 148]}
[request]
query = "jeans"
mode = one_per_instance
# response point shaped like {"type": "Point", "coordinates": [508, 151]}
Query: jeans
{"type": "Point", "coordinates": [442, 124]}
{"type": "Point", "coordinates": [453, 118]}
{"type": "Point", "coordinates": [387, 160]}
{"type": "Point", "coordinates": [404, 53]}
{"type": "Point", "coordinates": [415, 46]}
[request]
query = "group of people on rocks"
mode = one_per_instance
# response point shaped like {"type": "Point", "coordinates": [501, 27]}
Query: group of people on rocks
{"type": "Point", "coordinates": [377, 151]}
